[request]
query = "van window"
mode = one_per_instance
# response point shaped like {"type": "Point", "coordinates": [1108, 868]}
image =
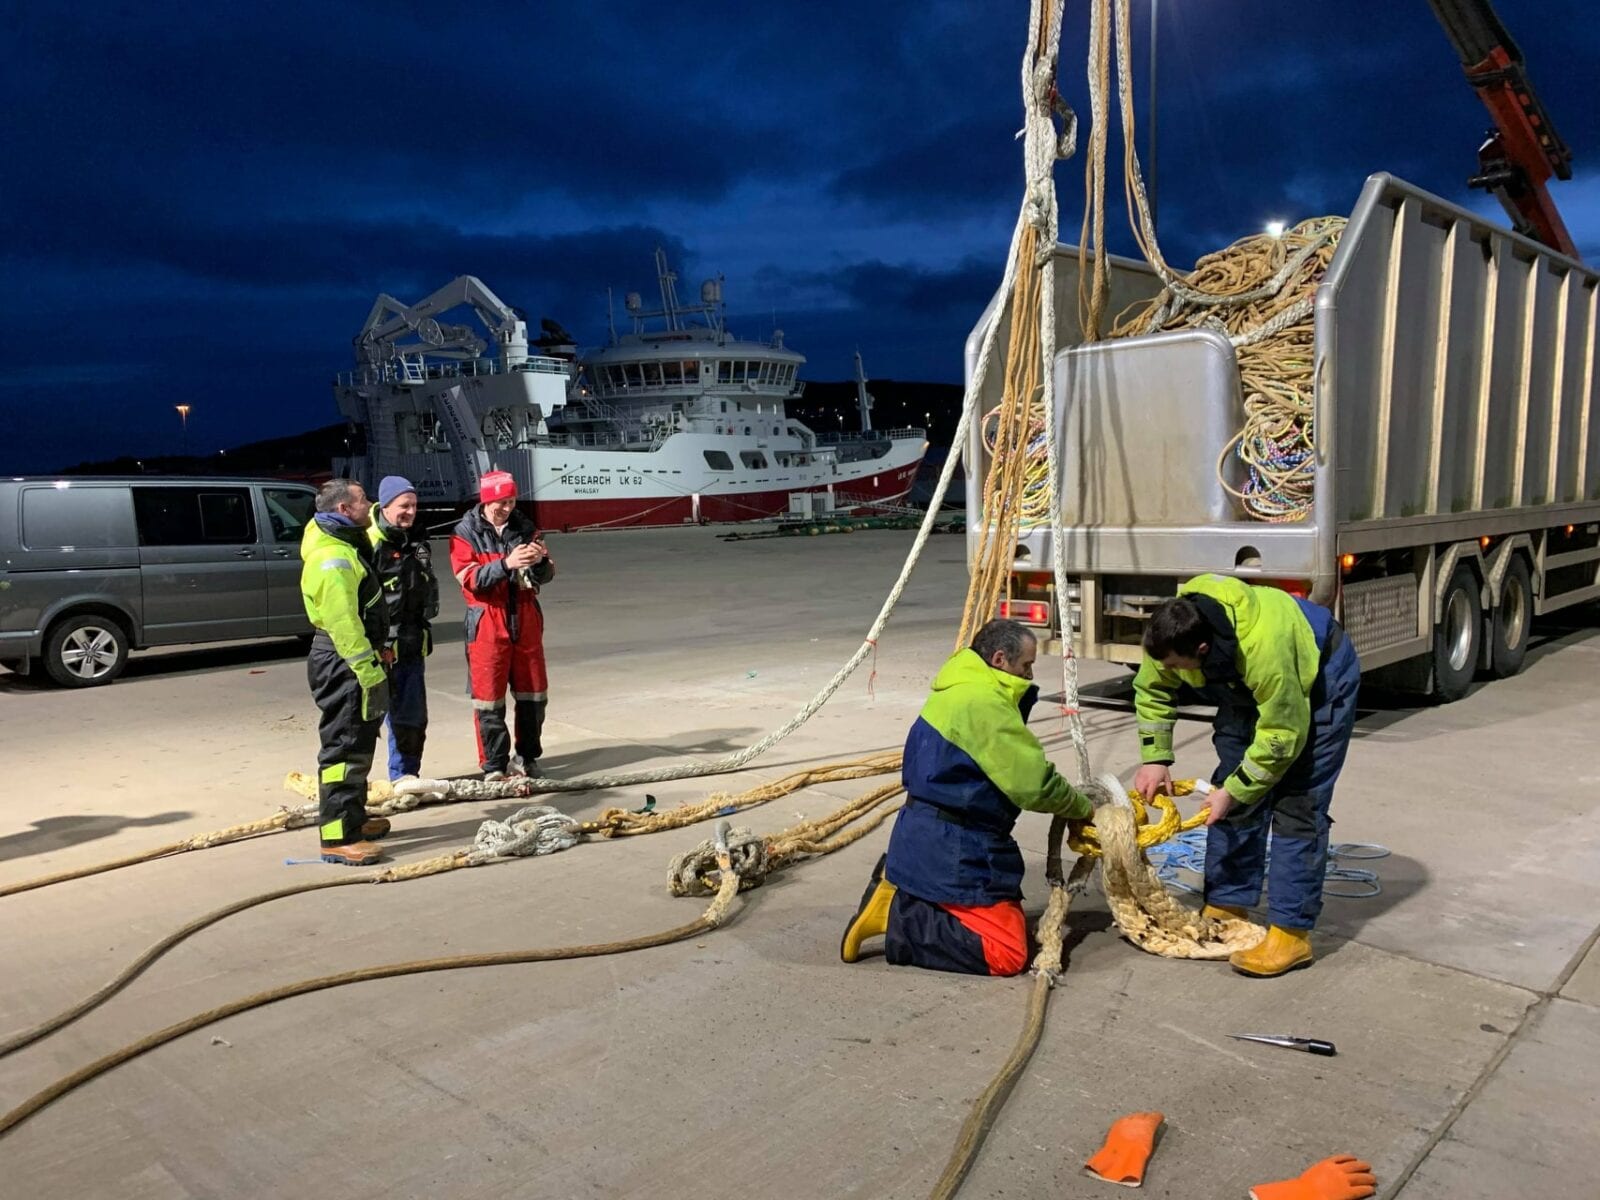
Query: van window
{"type": "Point", "coordinates": [187, 516]}
{"type": "Point", "coordinates": [288, 512]}
{"type": "Point", "coordinates": [82, 518]}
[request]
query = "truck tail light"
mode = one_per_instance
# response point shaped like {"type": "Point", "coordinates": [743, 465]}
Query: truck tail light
{"type": "Point", "coordinates": [1029, 612]}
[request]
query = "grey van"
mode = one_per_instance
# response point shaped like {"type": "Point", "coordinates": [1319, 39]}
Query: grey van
{"type": "Point", "coordinates": [91, 568]}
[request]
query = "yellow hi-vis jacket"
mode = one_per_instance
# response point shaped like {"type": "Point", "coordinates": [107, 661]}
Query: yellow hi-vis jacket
{"type": "Point", "coordinates": [1276, 660]}
{"type": "Point", "coordinates": [343, 597]}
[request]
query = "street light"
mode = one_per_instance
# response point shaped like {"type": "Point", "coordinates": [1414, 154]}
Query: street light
{"type": "Point", "coordinates": [183, 415]}
{"type": "Point", "coordinates": [1274, 229]}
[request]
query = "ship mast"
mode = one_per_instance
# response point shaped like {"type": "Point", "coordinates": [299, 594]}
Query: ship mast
{"type": "Point", "coordinates": [863, 397]}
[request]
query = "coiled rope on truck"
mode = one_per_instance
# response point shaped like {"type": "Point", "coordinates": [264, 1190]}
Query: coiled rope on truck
{"type": "Point", "coordinates": [1259, 292]}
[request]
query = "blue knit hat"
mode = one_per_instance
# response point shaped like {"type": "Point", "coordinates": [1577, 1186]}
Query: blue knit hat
{"type": "Point", "coordinates": [392, 488]}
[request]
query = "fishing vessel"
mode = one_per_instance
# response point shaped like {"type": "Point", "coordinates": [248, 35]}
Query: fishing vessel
{"type": "Point", "coordinates": [675, 421]}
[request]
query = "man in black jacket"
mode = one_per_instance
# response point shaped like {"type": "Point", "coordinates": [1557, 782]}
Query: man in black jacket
{"type": "Point", "coordinates": [411, 592]}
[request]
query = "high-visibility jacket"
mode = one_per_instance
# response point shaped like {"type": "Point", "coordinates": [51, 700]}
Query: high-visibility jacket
{"type": "Point", "coordinates": [410, 588]}
{"type": "Point", "coordinates": [1265, 649]}
{"type": "Point", "coordinates": [970, 767]}
{"type": "Point", "coordinates": [343, 597]}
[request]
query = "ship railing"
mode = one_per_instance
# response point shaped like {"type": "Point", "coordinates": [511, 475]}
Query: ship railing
{"type": "Point", "coordinates": [413, 370]}
{"type": "Point", "coordinates": [837, 437]}
{"type": "Point", "coordinates": [595, 439]}
{"type": "Point", "coordinates": [604, 387]}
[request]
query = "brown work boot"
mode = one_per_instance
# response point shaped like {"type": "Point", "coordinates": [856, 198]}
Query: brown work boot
{"type": "Point", "coordinates": [375, 829]}
{"type": "Point", "coordinates": [351, 854]}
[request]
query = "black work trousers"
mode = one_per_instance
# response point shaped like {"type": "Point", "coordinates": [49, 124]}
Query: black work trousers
{"type": "Point", "coordinates": [348, 742]}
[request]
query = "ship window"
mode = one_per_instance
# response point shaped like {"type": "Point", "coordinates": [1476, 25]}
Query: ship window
{"type": "Point", "coordinates": [718, 460]}
{"type": "Point", "coordinates": [753, 459]}
{"type": "Point", "coordinates": [652, 374]}
{"type": "Point", "coordinates": [672, 372]}
{"type": "Point", "coordinates": [747, 431]}
{"type": "Point", "coordinates": [739, 371]}
{"type": "Point", "coordinates": [614, 378]}
{"type": "Point", "coordinates": [724, 406]}
{"type": "Point", "coordinates": [774, 431]}
{"type": "Point", "coordinates": [766, 372]}
{"type": "Point", "coordinates": [691, 371]}
{"type": "Point", "coordinates": [634, 378]}
{"type": "Point", "coordinates": [724, 372]}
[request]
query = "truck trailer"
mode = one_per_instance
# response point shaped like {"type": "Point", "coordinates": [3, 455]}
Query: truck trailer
{"type": "Point", "coordinates": [1457, 454]}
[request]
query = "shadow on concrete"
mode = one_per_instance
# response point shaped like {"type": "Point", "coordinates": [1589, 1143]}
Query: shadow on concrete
{"type": "Point", "coordinates": [608, 756]}
{"type": "Point", "coordinates": [204, 659]}
{"type": "Point", "coordinates": [1401, 878]}
{"type": "Point", "coordinates": [59, 833]}
{"type": "Point", "coordinates": [179, 660]}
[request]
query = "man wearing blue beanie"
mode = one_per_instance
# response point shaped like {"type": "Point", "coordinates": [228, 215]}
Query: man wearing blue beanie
{"type": "Point", "coordinates": [411, 591]}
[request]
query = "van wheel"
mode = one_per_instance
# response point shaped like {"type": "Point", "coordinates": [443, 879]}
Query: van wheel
{"type": "Point", "coordinates": [1511, 623]}
{"type": "Point", "coordinates": [1455, 639]}
{"type": "Point", "coordinates": [85, 651]}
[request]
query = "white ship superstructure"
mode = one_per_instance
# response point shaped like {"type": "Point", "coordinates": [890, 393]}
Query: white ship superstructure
{"type": "Point", "coordinates": [675, 421]}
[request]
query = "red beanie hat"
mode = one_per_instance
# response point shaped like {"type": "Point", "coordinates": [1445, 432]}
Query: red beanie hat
{"type": "Point", "coordinates": [497, 485]}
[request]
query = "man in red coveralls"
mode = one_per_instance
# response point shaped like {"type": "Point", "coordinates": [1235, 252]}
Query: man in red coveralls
{"type": "Point", "coordinates": [500, 561]}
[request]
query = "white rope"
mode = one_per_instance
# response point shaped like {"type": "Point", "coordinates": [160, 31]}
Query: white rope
{"type": "Point", "coordinates": [533, 830]}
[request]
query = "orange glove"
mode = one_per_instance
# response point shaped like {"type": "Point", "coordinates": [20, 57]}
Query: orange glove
{"type": "Point", "coordinates": [1127, 1149]}
{"type": "Point", "coordinates": [1342, 1177]}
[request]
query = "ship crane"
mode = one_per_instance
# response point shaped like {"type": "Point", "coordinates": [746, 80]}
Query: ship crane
{"type": "Point", "coordinates": [1524, 150]}
{"type": "Point", "coordinates": [391, 320]}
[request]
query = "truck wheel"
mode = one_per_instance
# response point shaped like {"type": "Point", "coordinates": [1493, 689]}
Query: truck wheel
{"type": "Point", "coordinates": [1455, 638]}
{"type": "Point", "coordinates": [85, 651]}
{"type": "Point", "coordinates": [1511, 623]}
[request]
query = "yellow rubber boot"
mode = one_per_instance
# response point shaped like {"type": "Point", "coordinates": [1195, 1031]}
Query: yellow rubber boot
{"type": "Point", "coordinates": [872, 918]}
{"type": "Point", "coordinates": [1224, 912]}
{"type": "Point", "coordinates": [1280, 951]}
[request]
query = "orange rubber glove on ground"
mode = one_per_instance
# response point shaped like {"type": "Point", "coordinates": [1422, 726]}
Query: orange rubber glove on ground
{"type": "Point", "coordinates": [1127, 1149]}
{"type": "Point", "coordinates": [1342, 1177]}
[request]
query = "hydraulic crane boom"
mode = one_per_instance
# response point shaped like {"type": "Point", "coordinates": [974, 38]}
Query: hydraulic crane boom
{"type": "Point", "coordinates": [1524, 150]}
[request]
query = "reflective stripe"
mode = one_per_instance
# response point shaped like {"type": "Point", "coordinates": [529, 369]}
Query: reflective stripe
{"type": "Point", "coordinates": [361, 658]}
{"type": "Point", "coordinates": [521, 697]}
{"type": "Point", "coordinates": [333, 831]}
{"type": "Point", "coordinates": [1155, 726]}
{"type": "Point", "coordinates": [337, 564]}
{"type": "Point", "coordinates": [490, 705]}
{"type": "Point", "coordinates": [334, 773]}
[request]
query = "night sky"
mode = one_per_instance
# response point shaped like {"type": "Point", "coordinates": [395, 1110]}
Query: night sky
{"type": "Point", "coordinates": [200, 202]}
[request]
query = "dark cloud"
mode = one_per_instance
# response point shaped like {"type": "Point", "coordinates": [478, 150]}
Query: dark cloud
{"type": "Point", "coordinates": [200, 201]}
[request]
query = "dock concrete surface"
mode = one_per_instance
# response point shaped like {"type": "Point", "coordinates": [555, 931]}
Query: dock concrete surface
{"type": "Point", "coordinates": [1464, 999]}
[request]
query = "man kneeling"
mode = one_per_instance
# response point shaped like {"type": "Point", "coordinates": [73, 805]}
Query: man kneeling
{"type": "Point", "coordinates": [948, 893]}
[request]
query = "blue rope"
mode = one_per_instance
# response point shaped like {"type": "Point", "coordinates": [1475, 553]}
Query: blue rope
{"type": "Point", "coordinates": [1187, 852]}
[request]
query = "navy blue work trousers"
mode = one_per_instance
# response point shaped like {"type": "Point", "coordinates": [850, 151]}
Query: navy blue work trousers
{"type": "Point", "coordinates": [408, 717]}
{"type": "Point", "coordinates": [1295, 811]}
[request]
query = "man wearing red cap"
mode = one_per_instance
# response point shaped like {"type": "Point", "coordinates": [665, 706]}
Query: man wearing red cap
{"type": "Point", "coordinates": [500, 561]}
